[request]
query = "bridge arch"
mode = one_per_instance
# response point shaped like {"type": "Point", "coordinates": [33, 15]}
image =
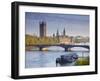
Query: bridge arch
{"type": "Point", "coordinates": [54, 48]}
{"type": "Point", "coordinates": [79, 49]}
{"type": "Point", "coordinates": [69, 47]}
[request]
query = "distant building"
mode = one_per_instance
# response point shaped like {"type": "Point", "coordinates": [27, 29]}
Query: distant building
{"type": "Point", "coordinates": [64, 32]}
{"type": "Point", "coordinates": [65, 40]}
{"type": "Point", "coordinates": [53, 35]}
{"type": "Point", "coordinates": [43, 29]}
{"type": "Point", "coordinates": [81, 39]}
{"type": "Point", "coordinates": [57, 33]}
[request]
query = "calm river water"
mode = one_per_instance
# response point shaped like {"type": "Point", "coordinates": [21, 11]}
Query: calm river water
{"type": "Point", "coordinates": [47, 58]}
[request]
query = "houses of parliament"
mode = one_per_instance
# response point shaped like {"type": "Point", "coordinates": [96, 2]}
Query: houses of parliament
{"type": "Point", "coordinates": [62, 38]}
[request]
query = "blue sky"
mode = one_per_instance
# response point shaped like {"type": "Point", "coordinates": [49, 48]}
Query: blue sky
{"type": "Point", "coordinates": [74, 25]}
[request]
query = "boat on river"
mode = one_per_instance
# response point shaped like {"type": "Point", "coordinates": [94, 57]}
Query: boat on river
{"type": "Point", "coordinates": [66, 59]}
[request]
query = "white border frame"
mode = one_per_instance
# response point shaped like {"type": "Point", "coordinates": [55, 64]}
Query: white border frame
{"type": "Point", "coordinates": [53, 70]}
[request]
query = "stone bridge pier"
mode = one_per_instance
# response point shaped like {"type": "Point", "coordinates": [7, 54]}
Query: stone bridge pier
{"type": "Point", "coordinates": [66, 48]}
{"type": "Point", "coordinates": [40, 48]}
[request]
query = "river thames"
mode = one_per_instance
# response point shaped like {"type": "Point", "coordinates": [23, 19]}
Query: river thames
{"type": "Point", "coordinates": [36, 59]}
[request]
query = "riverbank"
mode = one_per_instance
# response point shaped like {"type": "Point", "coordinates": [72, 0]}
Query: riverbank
{"type": "Point", "coordinates": [82, 61]}
{"type": "Point", "coordinates": [31, 48]}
